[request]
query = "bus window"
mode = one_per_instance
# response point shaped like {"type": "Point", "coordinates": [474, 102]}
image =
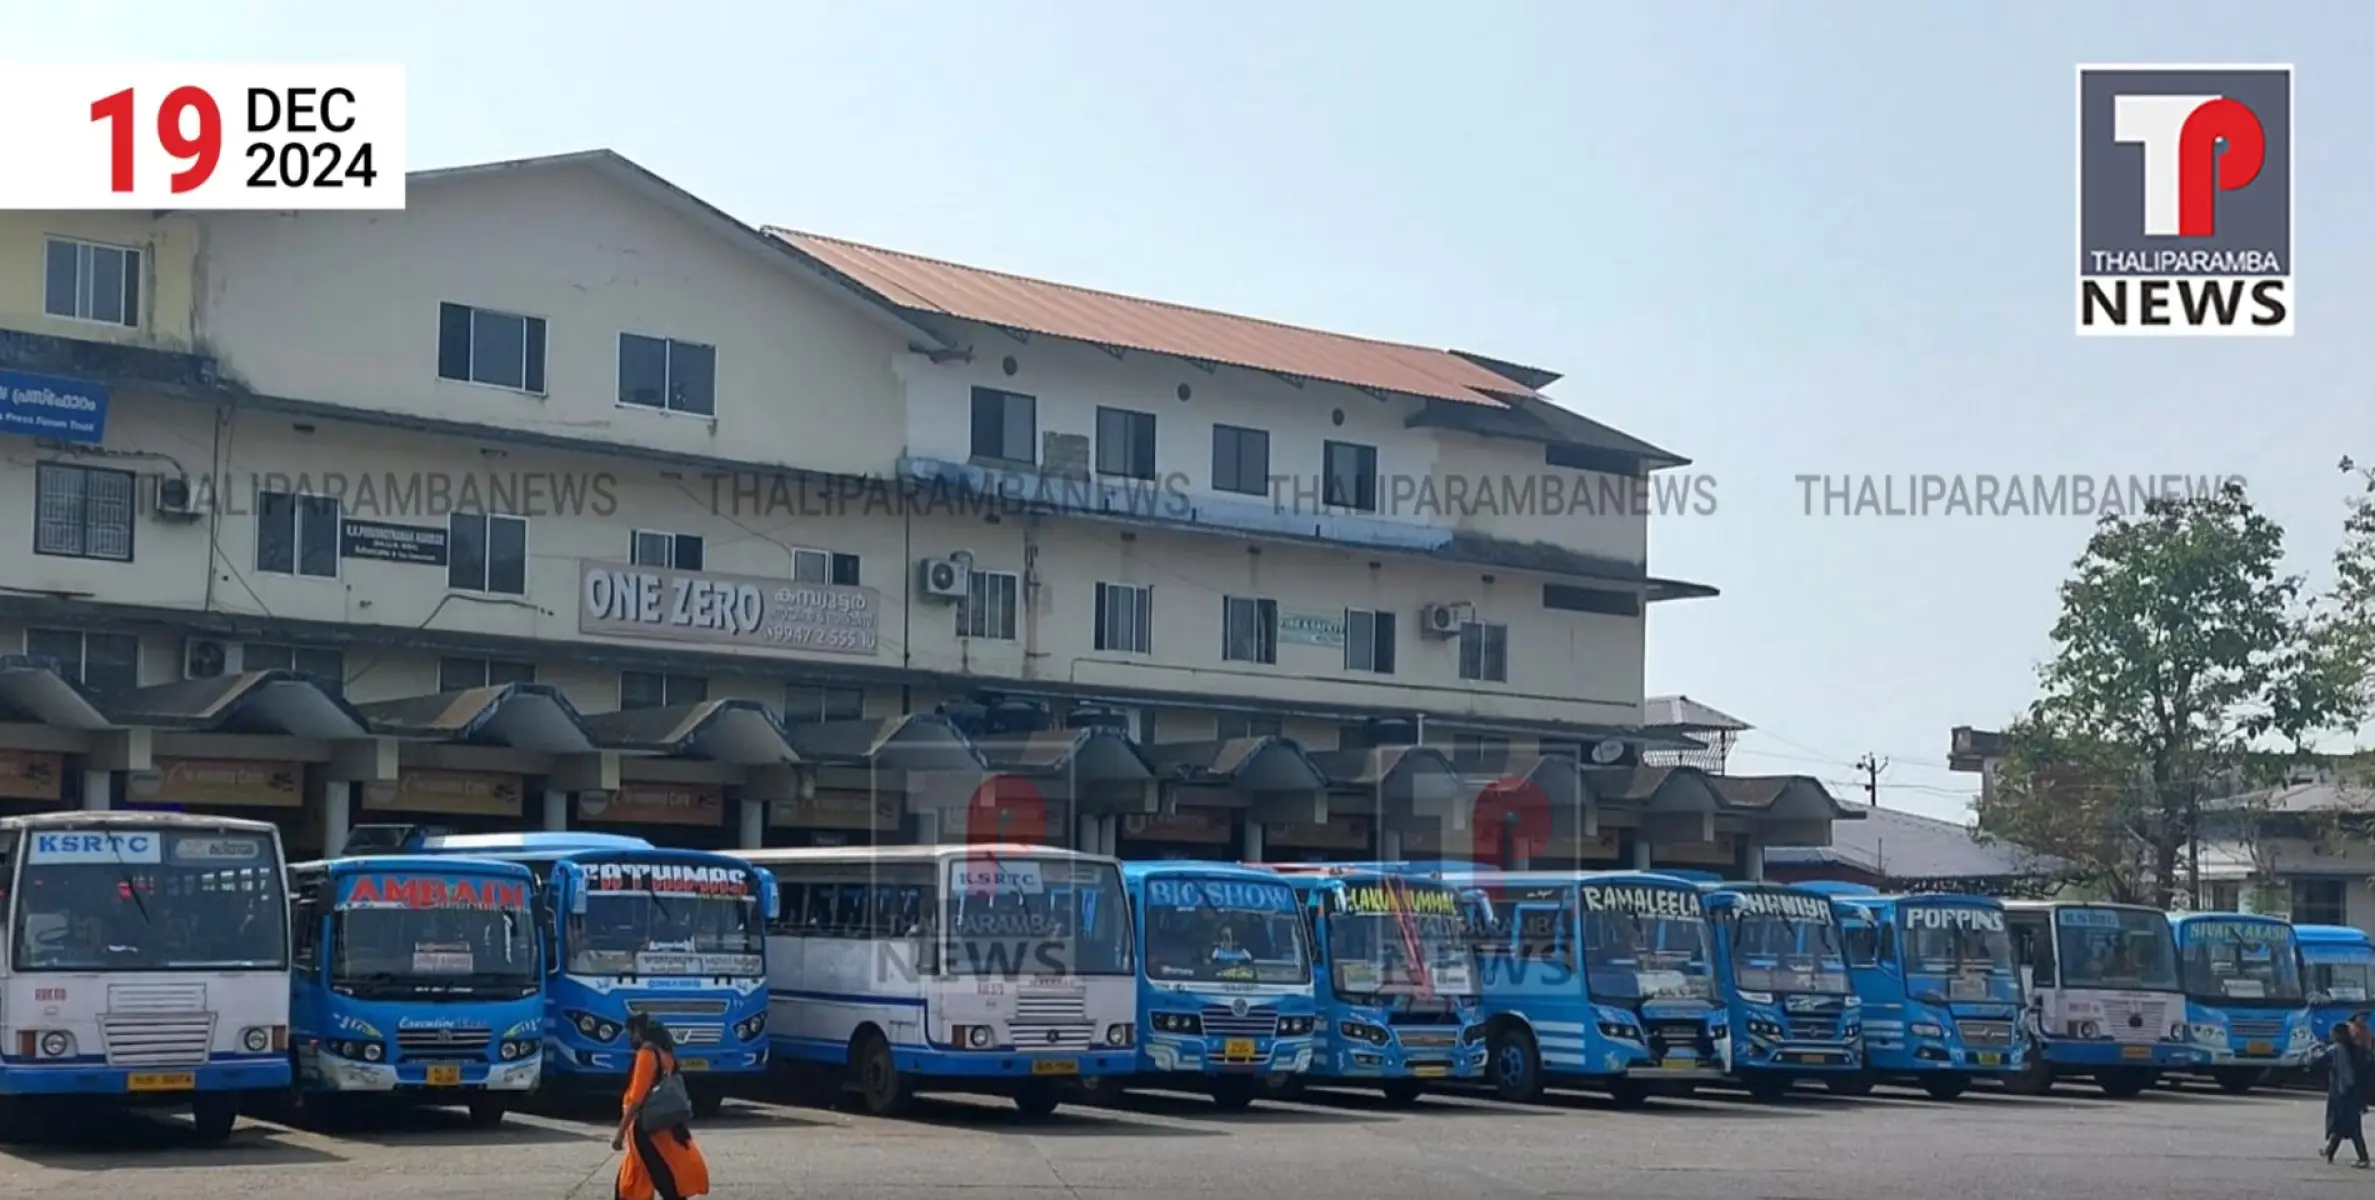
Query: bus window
{"type": "Point", "coordinates": [2032, 947]}
{"type": "Point", "coordinates": [1863, 945]}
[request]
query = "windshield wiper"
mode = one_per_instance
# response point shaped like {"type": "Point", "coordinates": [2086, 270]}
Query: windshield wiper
{"type": "Point", "coordinates": [123, 874]}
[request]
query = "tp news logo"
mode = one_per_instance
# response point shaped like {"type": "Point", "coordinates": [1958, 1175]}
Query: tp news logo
{"type": "Point", "coordinates": [2185, 201]}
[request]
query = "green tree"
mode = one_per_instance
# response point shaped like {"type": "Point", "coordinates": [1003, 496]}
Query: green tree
{"type": "Point", "coordinates": [2185, 662]}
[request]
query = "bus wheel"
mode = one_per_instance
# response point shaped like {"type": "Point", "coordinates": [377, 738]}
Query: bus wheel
{"type": "Point", "coordinates": [881, 1087]}
{"type": "Point", "coordinates": [708, 1101]}
{"type": "Point", "coordinates": [1234, 1093]}
{"type": "Point", "coordinates": [1104, 1090]}
{"type": "Point", "coordinates": [2237, 1080]}
{"type": "Point", "coordinates": [1283, 1087]}
{"type": "Point", "coordinates": [1039, 1098]}
{"type": "Point", "coordinates": [215, 1114]}
{"type": "Point", "coordinates": [486, 1112]}
{"type": "Point", "coordinates": [1853, 1083]}
{"type": "Point", "coordinates": [1946, 1087]}
{"type": "Point", "coordinates": [1768, 1087]}
{"type": "Point", "coordinates": [1629, 1093]}
{"type": "Point", "coordinates": [2035, 1079]}
{"type": "Point", "coordinates": [1402, 1092]}
{"type": "Point", "coordinates": [1516, 1065]}
{"type": "Point", "coordinates": [2123, 1083]}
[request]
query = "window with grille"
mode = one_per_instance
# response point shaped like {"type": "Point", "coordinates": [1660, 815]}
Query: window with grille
{"type": "Point", "coordinates": [1484, 652]}
{"type": "Point", "coordinates": [1125, 618]}
{"type": "Point", "coordinates": [83, 512]}
{"type": "Point", "coordinates": [1249, 629]}
{"type": "Point", "coordinates": [987, 611]}
{"type": "Point", "coordinates": [1368, 641]}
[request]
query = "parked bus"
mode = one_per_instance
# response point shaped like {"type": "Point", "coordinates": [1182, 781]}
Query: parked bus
{"type": "Point", "coordinates": [2104, 999]}
{"type": "Point", "coordinates": [629, 927]}
{"type": "Point", "coordinates": [148, 964]}
{"type": "Point", "coordinates": [1225, 999]}
{"type": "Point", "coordinates": [1782, 974]}
{"type": "Point", "coordinates": [2339, 971]}
{"type": "Point", "coordinates": [416, 979]}
{"type": "Point", "coordinates": [1396, 980]}
{"type": "Point", "coordinates": [1595, 980]}
{"type": "Point", "coordinates": [1942, 1003]}
{"type": "Point", "coordinates": [998, 969]}
{"type": "Point", "coordinates": [2245, 1007]}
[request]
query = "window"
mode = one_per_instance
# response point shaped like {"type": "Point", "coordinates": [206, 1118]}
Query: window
{"type": "Point", "coordinates": [327, 667]}
{"type": "Point", "coordinates": [488, 552]}
{"type": "Point", "coordinates": [644, 689]}
{"type": "Point", "coordinates": [824, 566]}
{"type": "Point", "coordinates": [499, 349]}
{"type": "Point", "coordinates": [806, 703]}
{"type": "Point", "coordinates": [669, 551]}
{"type": "Point", "coordinates": [1477, 753]}
{"type": "Point", "coordinates": [297, 535]}
{"type": "Point", "coordinates": [667, 374]}
{"type": "Point", "coordinates": [90, 282]}
{"type": "Point", "coordinates": [1005, 425]}
{"type": "Point", "coordinates": [1249, 629]}
{"type": "Point", "coordinates": [1484, 652]}
{"type": "Point", "coordinates": [462, 674]}
{"type": "Point", "coordinates": [106, 663]}
{"type": "Point", "coordinates": [987, 611]}
{"type": "Point", "coordinates": [1125, 618]}
{"type": "Point", "coordinates": [1569, 598]}
{"type": "Point", "coordinates": [1240, 460]}
{"type": "Point", "coordinates": [2320, 902]}
{"type": "Point", "coordinates": [1125, 443]}
{"type": "Point", "coordinates": [83, 512]}
{"type": "Point", "coordinates": [1368, 641]}
{"type": "Point", "coordinates": [2226, 897]}
{"type": "Point", "coordinates": [1242, 725]}
{"type": "Point", "coordinates": [1351, 476]}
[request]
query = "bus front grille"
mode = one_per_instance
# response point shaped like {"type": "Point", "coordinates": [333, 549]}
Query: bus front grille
{"type": "Point", "coordinates": [1428, 1039]}
{"type": "Point", "coordinates": [697, 1035]}
{"type": "Point", "coordinates": [665, 1009]}
{"type": "Point", "coordinates": [1667, 1038]}
{"type": "Point", "coordinates": [157, 1041]}
{"type": "Point", "coordinates": [1985, 1033]}
{"type": "Point", "coordinates": [1814, 1027]}
{"type": "Point", "coordinates": [1220, 1021]}
{"type": "Point", "coordinates": [2260, 1029]}
{"type": "Point", "coordinates": [2136, 1021]}
{"type": "Point", "coordinates": [443, 1043]}
{"type": "Point", "coordinates": [1070, 1008]}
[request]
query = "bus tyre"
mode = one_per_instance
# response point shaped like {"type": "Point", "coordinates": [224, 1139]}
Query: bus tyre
{"type": "Point", "coordinates": [2124, 1083]}
{"type": "Point", "coordinates": [1102, 1090]}
{"type": "Point", "coordinates": [1282, 1087]}
{"type": "Point", "coordinates": [1768, 1087]}
{"type": "Point", "coordinates": [881, 1087]}
{"type": "Point", "coordinates": [1233, 1093]}
{"type": "Point", "coordinates": [2035, 1079]}
{"type": "Point", "coordinates": [215, 1113]}
{"type": "Point", "coordinates": [1039, 1098]}
{"type": "Point", "coordinates": [1402, 1093]}
{"type": "Point", "coordinates": [1946, 1087]}
{"type": "Point", "coordinates": [1516, 1065]}
{"type": "Point", "coordinates": [2237, 1080]}
{"type": "Point", "coordinates": [1852, 1083]}
{"type": "Point", "coordinates": [708, 1102]}
{"type": "Point", "coordinates": [486, 1112]}
{"type": "Point", "coordinates": [1629, 1093]}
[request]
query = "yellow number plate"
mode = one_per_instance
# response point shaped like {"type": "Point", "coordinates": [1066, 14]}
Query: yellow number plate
{"type": "Point", "coordinates": [178, 1081]}
{"type": "Point", "coordinates": [445, 1075]}
{"type": "Point", "coordinates": [1430, 1072]}
{"type": "Point", "coordinates": [2135, 1052]}
{"type": "Point", "coordinates": [2259, 1048]}
{"type": "Point", "coordinates": [1678, 1064]}
{"type": "Point", "coordinates": [1055, 1066]}
{"type": "Point", "coordinates": [692, 1064]}
{"type": "Point", "coordinates": [1988, 1058]}
{"type": "Point", "coordinates": [1237, 1048]}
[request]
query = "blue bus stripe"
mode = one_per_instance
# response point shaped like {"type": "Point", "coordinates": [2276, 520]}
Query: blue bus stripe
{"type": "Point", "coordinates": [845, 998]}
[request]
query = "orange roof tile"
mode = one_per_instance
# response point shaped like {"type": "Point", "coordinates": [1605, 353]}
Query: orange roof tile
{"type": "Point", "coordinates": [930, 285]}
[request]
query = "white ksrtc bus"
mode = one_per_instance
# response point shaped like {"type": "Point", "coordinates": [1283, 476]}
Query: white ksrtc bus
{"type": "Point", "coordinates": [147, 963]}
{"type": "Point", "coordinates": [1002, 969]}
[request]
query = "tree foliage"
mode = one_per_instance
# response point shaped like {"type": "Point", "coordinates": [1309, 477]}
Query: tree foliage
{"type": "Point", "coordinates": [2186, 666]}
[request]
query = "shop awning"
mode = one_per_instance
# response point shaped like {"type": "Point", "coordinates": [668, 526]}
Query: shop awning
{"type": "Point", "coordinates": [534, 717]}
{"type": "Point", "coordinates": [1091, 756]}
{"type": "Point", "coordinates": [1248, 764]}
{"type": "Point", "coordinates": [1393, 772]}
{"type": "Point", "coordinates": [920, 742]}
{"type": "Point", "coordinates": [1782, 797]}
{"type": "Point", "coordinates": [36, 691]}
{"type": "Point", "coordinates": [281, 703]}
{"type": "Point", "coordinates": [740, 732]}
{"type": "Point", "coordinates": [1654, 790]}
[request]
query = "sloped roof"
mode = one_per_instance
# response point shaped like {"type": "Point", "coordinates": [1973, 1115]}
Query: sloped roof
{"type": "Point", "coordinates": [1682, 712]}
{"type": "Point", "coordinates": [914, 284]}
{"type": "Point", "coordinates": [1902, 845]}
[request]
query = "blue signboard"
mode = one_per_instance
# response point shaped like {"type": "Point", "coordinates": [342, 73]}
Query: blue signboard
{"type": "Point", "coordinates": [53, 407]}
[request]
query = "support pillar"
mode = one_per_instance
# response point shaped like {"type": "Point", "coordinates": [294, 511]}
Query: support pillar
{"type": "Point", "coordinates": [1253, 841]}
{"type": "Point", "coordinates": [752, 831]}
{"type": "Point", "coordinates": [1641, 850]}
{"type": "Point", "coordinates": [556, 810]}
{"type": "Point", "coordinates": [927, 826]}
{"type": "Point", "coordinates": [1752, 855]}
{"type": "Point", "coordinates": [1389, 845]}
{"type": "Point", "coordinates": [1086, 836]}
{"type": "Point", "coordinates": [338, 806]}
{"type": "Point", "coordinates": [98, 789]}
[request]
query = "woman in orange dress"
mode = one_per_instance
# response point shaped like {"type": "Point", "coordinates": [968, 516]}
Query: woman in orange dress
{"type": "Point", "coordinates": [664, 1164]}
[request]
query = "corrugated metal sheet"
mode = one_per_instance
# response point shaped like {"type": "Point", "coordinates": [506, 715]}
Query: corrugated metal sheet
{"type": "Point", "coordinates": [1082, 314]}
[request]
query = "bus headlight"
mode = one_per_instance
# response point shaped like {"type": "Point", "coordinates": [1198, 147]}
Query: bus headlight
{"type": "Point", "coordinates": [972, 1037]}
{"type": "Point", "coordinates": [592, 1027]}
{"type": "Point", "coordinates": [1171, 1022]}
{"type": "Point", "coordinates": [1294, 1026]}
{"type": "Point", "coordinates": [256, 1038]}
{"type": "Point", "coordinates": [2208, 1034]}
{"type": "Point", "coordinates": [1617, 1031]}
{"type": "Point", "coordinates": [2177, 1032]}
{"type": "Point", "coordinates": [2085, 1029]}
{"type": "Point", "coordinates": [57, 1043]}
{"type": "Point", "coordinates": [751, 1026]}
{"type": "Point", "coordinates": [1362, 1032]}
{"type": "Point", "coordinates": [1925, 1029]}
{"type": "Point", "coordinates": [1118, 1035]}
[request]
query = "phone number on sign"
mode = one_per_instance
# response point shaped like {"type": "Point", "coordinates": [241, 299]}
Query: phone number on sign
{"type": "Point", "coordinates": [816, 637]}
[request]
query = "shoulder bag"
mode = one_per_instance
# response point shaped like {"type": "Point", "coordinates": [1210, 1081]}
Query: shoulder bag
{"type": "Point", "coordinates": [668, 1105]}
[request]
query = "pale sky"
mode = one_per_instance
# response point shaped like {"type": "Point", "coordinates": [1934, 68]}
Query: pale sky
{"type": "Point", "coordinates": [1780, 239]}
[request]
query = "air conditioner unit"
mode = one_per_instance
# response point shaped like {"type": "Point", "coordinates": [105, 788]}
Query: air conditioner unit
{"type": "Point", "coordinates": [1444, 620]}
{"type": "Point", "coordinates": [204, 658]}
{"type": "Point", "coordinates": [942, 578]}
{"type": "Point", "coordinates": [177, 500]}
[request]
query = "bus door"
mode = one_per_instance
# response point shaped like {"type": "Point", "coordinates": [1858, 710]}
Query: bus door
{"type": "Point", "coordinates": [2033, 951]}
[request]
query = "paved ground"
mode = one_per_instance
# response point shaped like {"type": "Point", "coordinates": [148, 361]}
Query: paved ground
{"type": "Point", "coordinates": [2073, 1146]}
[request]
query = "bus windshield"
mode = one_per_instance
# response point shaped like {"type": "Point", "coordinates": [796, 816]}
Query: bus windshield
{"type": "Point", "coordinates": [1644, 943]}
{"type": "Point", "coordinates": [1375, 928]}
{"type": "Point", "coordinates": [1786, 942]}
{"type": "Point", "coordinates": [667, 918]}
{"type": "Point", "coordinates": [405, 933]}
{"type": "Point", "coordinates": [1009, 916]}
{"type": "Point", "coordinates": [1225, 931]}
{"type": "Point", "coordinates": [127, 899]}
{"type": "Point", "coordinates": [2340, 983]}
{"type": "Point", "coordinates": [2116, 948]}
{"type": "Point", "coordinates": [2240, 960]}
{"type": "Point", "coordinates": [1964, 941]}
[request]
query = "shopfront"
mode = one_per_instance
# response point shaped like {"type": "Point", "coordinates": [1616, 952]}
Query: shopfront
{"type": "Point", "coordinates": [1207, 834]}
{"type": "Point", "coordinates": [1337, 839]}
{"type": "Point", "coordinates": [836, 817]}
{"type": "Point", "coordinates": [35, 781]}
{"type": "Point", "coordinates": [1608, 850]}
{"type": "Point", "coordinates": [258, 789]}
{"type": "Point", "coordinates": [462, 801]}
{"type": "Point", "coordinates": [1009, 808]}
{"type": "Point", "coordinates": [687, 816]}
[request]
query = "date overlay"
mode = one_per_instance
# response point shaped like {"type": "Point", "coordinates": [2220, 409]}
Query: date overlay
{"type": "Point", "coordinates": [202, 136]}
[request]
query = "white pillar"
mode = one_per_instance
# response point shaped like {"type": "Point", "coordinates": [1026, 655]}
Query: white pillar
{"type": "Point", "coordinates": [337, 812]}
{"type": "Point", "coordinates": [1087, 836]}
{"type": "Point", "coordinates": [98, 790]}
{"type": "Point", "coordinates": [1389, 845]}
{"type": "Point", "coordinates": [753, 819]}
{"type": "Point", "coordinates": [1520, 858]}
{"type": "Point", "coordinates": [556, 810]}
{"type": "Point", "coordinates": [1253, 840]}
{"type": "Point", "coordinates": [927, 826]}
{"type": "Point", "coordinates": [1754, 855]}
{"type": "Point", "coordinates": [1640, 852]}
{"type": "Point", "coordinates": [1111, 836]}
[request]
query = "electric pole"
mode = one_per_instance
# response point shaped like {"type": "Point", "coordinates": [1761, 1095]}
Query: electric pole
{"type": "Point", "coordinates": [1871, 765]}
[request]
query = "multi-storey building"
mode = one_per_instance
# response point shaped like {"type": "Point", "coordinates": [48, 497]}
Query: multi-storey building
{"type": "Point", "coordinates": [561, 498]}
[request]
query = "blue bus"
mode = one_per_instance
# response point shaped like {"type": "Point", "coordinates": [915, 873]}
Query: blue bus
{"type": "Point", "coordinates": [1225, 1000]}
{"type": "Point", "coordinates": [2246, 1011]}
{"type": "Point", "coordinates": [2339, 970]}
{"type": "Point", "coordinates": [1942, 1001]}
{"type": "Point", "coordinates": [415, 978]}
{"type": "Point", "coordinates": [1396, 980]}
{"type": "Point", "coordinates": [629, 927]}
{"type": "Point", "coordinates": [1782, 974]}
